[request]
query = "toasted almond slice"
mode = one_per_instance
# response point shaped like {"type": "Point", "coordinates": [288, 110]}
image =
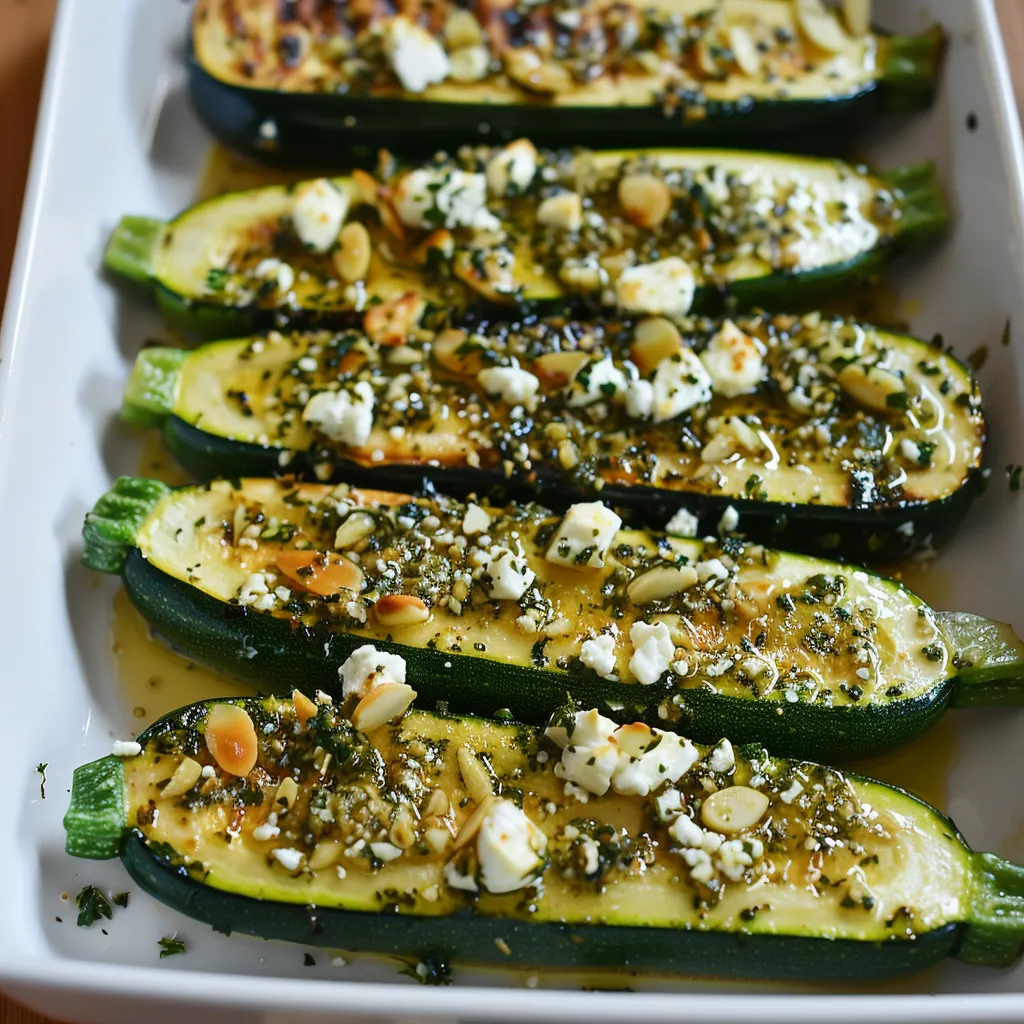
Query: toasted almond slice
{"type": "Point", "coordinates": [185, 776]}
{"type": "Point", "coordinates": [381, 705]}
{"type": "Point", "coordinates": [472, 824]}
{"type": "Point", "coordinates": [462, 29]}
{"type": "Point", "coordinates": [661, 582]}
{"type": "Point", "coordinates": [449, 348]}
{"type": "Point", "coordinates": [441, 242]}
{"type": "Point", "coordinates": [645, 198]}
{"type": "Point", "coordinates": [654, 339]}
{"type": "Point", "coordinates": [397, 610]}
{"type": "Point", "coordinates": [352, 256]}
{"type": "Point", "coordinates": [325, 853]}
{"type": "Point", "coordinates": [320, 572]}
{"type": "Point", "coordinates": [525, 66]}
{"type": "Point", "coordinates": [356, 526]}
{"type": "Point", "coordinates": [284, 798]}
{"type": "Point", "coordinates": [857, 15]}
{"type": "Point", "coordinates": [231, 738]}
{"type": "Point", "coordinates": [744, 50]}
{"type": "Point", "coordinates": [873, 387]}
{"type": "Point", "coordinates": [367, 188]}
{"type": "Point", "coordinates": [438, 804]}
{"type": "Point", "coordinates": [474, 775]}
{"type": "Point", "coordinates": [820, 25]}
{"type": "Point", "coordinates": [403, 831]}
{"type": "Point", "coordinates": [556, 369]}
{"type": "Point", "coordinates": [390, 323]}
{"type": "Point", "coordinates": [437, 839]}
{"type": "Point", "coordinates": [305, 709]}
{"type": "Point", "coordinates": [735, 809]}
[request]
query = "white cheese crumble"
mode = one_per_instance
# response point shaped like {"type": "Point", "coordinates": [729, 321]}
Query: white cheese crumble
{"type": "Point", "coordinates": [680, 383]}
{"type": "Point", "coordinates": [683, 524]}
{"type": "Point", "coordinates": [476, 520]}
{"type": "Point", "coordinates": [281, 274]}
{"type": "Point", "coordinates": [597, 381]}
{"type": "Point", "coordinates": [590, 755]}
{"type": "Point", "coordinates": [510, 574]}
{"type": "Point", "coordinates": [318, 213]}
{"type": "Point", "coordinates": [722, 758]}
{"type": "Point", "coordinates": [417, 58]}
{"type": "Point", "coordinates": [510, 849]}
{"type": "Point", "coordinates": [733, 361]}
{"type": "Point", "coordinates": [288, 858]}
{"type": "Point", "coordinates": [255, 592]}
{"type": "Point", "coordinates": [511, 384]}
{"type": "Point", "coordinates": [344, 416]}
{"type": "Point", "coordinates": [126, 748]}
{"type": "Point", "coordinates": [459, 197]}
{"type": "Point", "coordinates": [729, 521]}
{"type": "Point", "coordinates": [598, 654]}
{"type": "Point", "coordinates": [455, 879]}
{"type": "Point", "coordinates": [584, 536]}
{"type": "Point", "coordinates": [653, 651]}
{"type": "Point", "coordinates": [640, 399]}
{"type": "Point", "coordinates": [511, 170]}
{"type": "Point", "coordinates": [385, 851]}
{"type": "Point", "coordinates": [664, 287]}
{"type": "Point", "coordinates": [366, 668]}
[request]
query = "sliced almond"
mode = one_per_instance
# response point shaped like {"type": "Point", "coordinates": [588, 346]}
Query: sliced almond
{"type": "Point", "coordinates": [475, 776]}
{"type": "Point", "coordinates": [351, 258]}
{"type": "Point", "coordinates": [857, 15]}
{"type": "Point", "coordinates": [735, 809]}
{"type": "Point", "coordinates": [472, 824]}
{"type": "Point", "coordinates": [231, 738]}
{"type": "Point", "coordinates": [437, 839]}
{"type": "Point", "coordinates": [185, 776]}
{"type": "Point", "coordinates": [873, 387]}
{"type": "Point", "coordinates": [462, 29]}
{"type": "Point", "coordinates": [556, 369]}
{"type": "Point", "coordinates": [366, 188]}
{"type": "Point", "coordinates": [451, 350]}
{"type": "Point", "coordinates": [403, 831]}
{"type": "Point", "coordinates": [305, 709]}
{"type": "Point", "coordinates": [495, 279]}
{"type": "Point", "coordinates": [438, 804]}
{"type": "Point", "coordinates": [390, 323]}
{"type": "Point", "coordinates": [381, 705]}
{"type": "Point", "coordinates": [525, 66]}
{"type": "Point", "coordinates": [325, 853]}
{"type": "Point", "coordinates": [654, 339]}
{"type": "Point", "coordinates": [469, 63]}
{"type": "Point", "coordinates": [397, 610]}
{"type": "Point", "coordinates": [645, 198]}
{"type": "Point", "coordinates": [661, 582]}
{"type": "Point", "coordinates": [320, 572]}
{"type": "Point", "coordinates": [284, 798]}
{"type": "Point", "coordinates": [439, 244]}
{"type": "Point", "coordinates": [744, 49]}
{"type": "Point", "coordinates": [820, 25]}
{"type": "Point", "coordinates": [356, 526]}
{"type": "Point", "coordinates": [564, 211]}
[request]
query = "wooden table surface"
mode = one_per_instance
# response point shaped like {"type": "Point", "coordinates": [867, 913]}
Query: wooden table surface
{"type": "Point", "coordinates": [23, 46]}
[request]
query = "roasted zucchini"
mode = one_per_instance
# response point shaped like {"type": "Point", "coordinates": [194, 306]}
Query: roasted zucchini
{"type": "Point", "coordinates": [297, 84]}
{"type": "Point", "coordinates": [826, 435]}
{"type": "Point", "coordinates": [444, 839]}
{"type": "Point", "coordinates": [278, 584]}
{"type": "Point", "coordinates": [649, 231]}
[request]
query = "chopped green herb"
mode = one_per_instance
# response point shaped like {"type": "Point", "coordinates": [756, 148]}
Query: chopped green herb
{"type": "Point", "coordinates": [92, 905]}
{"type": "Point", "coordinates": [120, 899]}
{"type": "Point", "coordinates": [976, 360]}
{"type": "Point", "coordinates": [1005, 339]}
{"type": "Point", "coordinates": [1013, 475]}
{"type": "Point", "coordinates": [41, 772]}
{"type": "Point", "coordinates": [308, 960]}
{"type": "Point", "coordinates": [897, 400]}
{"type": "Point", "coordinates": [170, 946]}
{"type": "Point", "coordinates": [217, 279]}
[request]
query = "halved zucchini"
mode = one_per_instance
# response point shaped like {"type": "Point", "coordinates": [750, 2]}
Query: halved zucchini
{"type": "Point", "coordinates": [659, 231]}
{"type": "Point", "coordinates": [298, 85]}
{"type": "Point", "coordinates": [461, 840]}
{"type": "Point", "coordinates": [278, 584]}
{"type": "Point", "coordinates": [826, 435]}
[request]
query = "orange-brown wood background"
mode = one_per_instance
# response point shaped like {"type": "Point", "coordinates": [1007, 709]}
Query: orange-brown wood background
{"type": "Point", "coordinates": [24, 36]}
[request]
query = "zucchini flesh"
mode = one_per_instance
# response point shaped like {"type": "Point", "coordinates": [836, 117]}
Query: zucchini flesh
{"type": "Point", "coordinates": [277, 88]}
{"type": "Point", "coordinates": [847, 877]}
{"type": "Point", "coordinates": [813, 657]}
{"type": "Point", "coordinates": [827, 224]}
{"type": "Point", "coordinates": [879, 475]}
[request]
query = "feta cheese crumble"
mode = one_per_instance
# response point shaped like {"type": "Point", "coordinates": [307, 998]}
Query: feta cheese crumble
{"type": "Point", "coordinates": [318, 213]}
{"type": "Point", "coordinates": [457, 199]}
{"type": "Point", "coordinates": [417, 58]}
{"type": "Point", "coordinates": [680, 383]}
{"type": "Point", "coordinates": [511, 170]}
{"type": "Point", "coordinates": [664, 287]}
{"type": "Point", "coordinates": [510, 574]}
{"type": "Point", "coordinates": [598, 654]}
{"type": "Point", "coordinates": [653, 651]}
{"type": "Point", "coordinates": [343, 416]}
{"type": "Point", "coordinates": [510, 849]}
{"type": "Point", "coordinates": [733, 361]}
{"type": "Point", "coordinates": [511, 384]}
{"type": "Point", "coordinates": [126, 748]}
{"type": "Point", "coordinates": [366, 668]}
{"type": "Point", "coordinates": [584, 536]}
{"type": "Point", "coordinates": [683, 524]}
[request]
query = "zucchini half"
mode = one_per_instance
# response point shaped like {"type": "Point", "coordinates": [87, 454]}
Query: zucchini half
{"type": "Point", "coordinates": [651, 230]}
{"type": "Point", "coordinates": [278, 83]}
{"type": "Point", "coordinates": [277, 584]}
{"type": "Point", "coordinates": [836, 437]}
{"type": "Point", "coordinates": [453, 840]}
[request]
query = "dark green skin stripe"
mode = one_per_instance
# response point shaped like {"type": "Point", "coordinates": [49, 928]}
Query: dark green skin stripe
{"type": "Point", "coordinates": [267, 653]}
{"type": "Point", "coordinates": [312, 128]}
{"type": "Point", "coordinates": [466, 938]}
{"type": "Point", "coordinates": [859, 535]}
{"type": "Point", "coordinates": [130, 254]}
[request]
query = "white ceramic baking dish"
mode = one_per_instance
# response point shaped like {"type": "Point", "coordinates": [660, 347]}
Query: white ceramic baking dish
{"type": "Point", "coordinates": [116, 135]}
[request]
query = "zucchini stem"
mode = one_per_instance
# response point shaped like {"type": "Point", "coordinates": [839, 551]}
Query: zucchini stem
{"type": "Point", "coordinates": [989, 658]}
{"type": "Point", "coordinates": [98, 813]}
{"type": "Point", "coordinates": [922, 203]}
{"type": "Point", "coordinates": [110, 528]}
{"type": "Point", "coordinates": [130, 252]}
{"type": "Point", "coordinates": [910, 69]}
{"type": "Point", "coordinates": [995, 926]}
{"type": "Point", "coordinates": [153, 386]}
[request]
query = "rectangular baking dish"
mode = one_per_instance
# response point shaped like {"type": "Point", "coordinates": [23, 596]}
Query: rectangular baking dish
{"type": "Point", "coordinates": [116, 135]}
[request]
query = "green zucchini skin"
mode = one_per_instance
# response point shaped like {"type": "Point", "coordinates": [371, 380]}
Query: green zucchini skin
{"type": "Point", "coordinates": [470, 939]}
{"type": "Point", "coordinates": [130, 256]}
{"type": "Point", "coordinates": [857, 535]}
{"type": "Point", "coordinates": [267, 653]}
{"type": "Point", "coordinates": [310, 129]}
